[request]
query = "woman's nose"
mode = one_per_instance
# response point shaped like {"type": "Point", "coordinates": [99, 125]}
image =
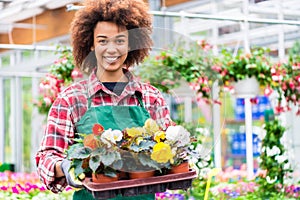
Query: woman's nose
{"type": "Point", "coordinates": [111, 47]}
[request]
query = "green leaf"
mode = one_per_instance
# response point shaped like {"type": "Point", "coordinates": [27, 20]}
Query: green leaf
{"type": "Point", "coordinates": [108, 158]}
{"type": "Point", "coordinates": [94, 162]}
{"type": "Point", "coordinates": [77, 164]}
{"type": "Point", "coordinates": [79, 153]}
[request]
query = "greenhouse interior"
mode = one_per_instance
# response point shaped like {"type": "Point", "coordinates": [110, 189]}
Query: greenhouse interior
{"type": "Point", "coordinates": [245, 138]}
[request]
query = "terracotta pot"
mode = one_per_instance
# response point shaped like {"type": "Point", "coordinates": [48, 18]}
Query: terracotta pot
{"type": "Point", "coordinates": [101, 178]}
{"type": "Point", "coordinates": [141, 174]}
{"type": "Point", "coordinates": [181, 168]}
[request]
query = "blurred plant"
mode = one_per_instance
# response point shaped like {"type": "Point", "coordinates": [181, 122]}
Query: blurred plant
{"type": "Point", "coordinates": [61, 74]}
{"type": "Point", "coordinates": [233, 68]}
{"type": "Point", "coordinates": [17, 185]}
{"type": "Point", "coordinates": [189, 62]}
{"type": "Point", "coordinates": [273, 159]}
{"type": "Point", "coordinates": [286, 77]}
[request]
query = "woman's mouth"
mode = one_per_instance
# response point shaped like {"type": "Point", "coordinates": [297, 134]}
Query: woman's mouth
{"type": "Point", "coordinates": [111, 59]}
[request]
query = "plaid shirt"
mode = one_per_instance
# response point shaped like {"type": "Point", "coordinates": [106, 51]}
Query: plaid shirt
{"type": "Point", "coordinates": [72, 104]}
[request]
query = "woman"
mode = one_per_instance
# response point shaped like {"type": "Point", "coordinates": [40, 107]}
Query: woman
{"type": "Point", "coordinates": [108, 37]}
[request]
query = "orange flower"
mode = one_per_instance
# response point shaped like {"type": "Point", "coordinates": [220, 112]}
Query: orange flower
{"type": "Point", "coordinates": [98, 129]}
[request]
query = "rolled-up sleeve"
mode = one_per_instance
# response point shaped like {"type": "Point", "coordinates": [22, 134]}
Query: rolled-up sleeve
{"type": "Point", "coordinates": [59, 131]}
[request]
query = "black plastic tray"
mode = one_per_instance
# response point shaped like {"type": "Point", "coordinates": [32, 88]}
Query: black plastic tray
{"type": "Point", "coordinates": [136, 187]}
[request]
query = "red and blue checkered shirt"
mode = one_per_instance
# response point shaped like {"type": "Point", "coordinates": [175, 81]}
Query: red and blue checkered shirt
{"type": "Point", "coordinates": [71, 105]}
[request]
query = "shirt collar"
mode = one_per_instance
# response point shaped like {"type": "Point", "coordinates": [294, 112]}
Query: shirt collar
{"type": "Point", "coordinates": [94, 85]}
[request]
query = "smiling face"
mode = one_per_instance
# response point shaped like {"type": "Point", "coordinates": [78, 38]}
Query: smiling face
{"type": "Point", "coordinates": [111, 50]}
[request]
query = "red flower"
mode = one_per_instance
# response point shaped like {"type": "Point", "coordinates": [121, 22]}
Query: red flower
{"type": "Point", "coordinates": [97, 129]}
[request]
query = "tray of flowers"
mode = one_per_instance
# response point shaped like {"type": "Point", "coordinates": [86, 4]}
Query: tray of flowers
{"type": "Point", "coordinates": [134, 187]}
{"type": "Point", "coordinates": [116, 156]}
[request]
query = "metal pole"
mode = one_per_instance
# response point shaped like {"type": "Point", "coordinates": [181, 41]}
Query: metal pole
{"type": "Point", "coordinates": [2, 122]}
{"type": "Point", "coordinates": [246, 26]}
{"type": "Point", "coordinates": [228, 18]}
{"type": "Point", "coordinates": [281, 48]}
{"type": "Point", "coordinates": [187, 109]}
{"type": "Point", "coordinates": [28, 47]}
{"type": "Point", "coordinates": [13, 123]}
{"type": "Point", "coordinates": [249, 142]}
{"type": "Point", "coordinates": [19, 124]}
{"type": "Point", "coordinates": [216, 127]}
{"type": "Point", "coordinates": [22, 74]}
{"type": "Point", "coordinates": [72, 7]}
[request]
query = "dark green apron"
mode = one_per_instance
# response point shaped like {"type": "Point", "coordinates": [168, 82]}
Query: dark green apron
{"type": "Point", "coordinates": [115, 117]}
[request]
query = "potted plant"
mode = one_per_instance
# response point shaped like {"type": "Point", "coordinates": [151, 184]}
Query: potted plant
{"type": "Point", "coordinates": [97, 153]}
{"type": "Point", "coordinates": [236, 70]}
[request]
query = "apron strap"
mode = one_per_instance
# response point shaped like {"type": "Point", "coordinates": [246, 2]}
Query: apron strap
{"type": "Point", "coordinates": [89, 102]}
{"type": "Point", "coordinates": [139, 96]}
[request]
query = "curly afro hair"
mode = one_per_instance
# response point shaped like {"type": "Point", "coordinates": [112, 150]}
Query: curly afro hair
{"type": "Point", "coordinates": [132, 14]}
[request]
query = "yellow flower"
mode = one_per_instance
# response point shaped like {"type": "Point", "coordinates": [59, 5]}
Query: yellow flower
{"type": "Point", "coordinates": [162, 153]}
{"type": "Point", "coordinates": [151, 126]}
{"type": "Point", "coordinates": [135, 131]}
{"type": "Point", "coordinates": [159, 135]}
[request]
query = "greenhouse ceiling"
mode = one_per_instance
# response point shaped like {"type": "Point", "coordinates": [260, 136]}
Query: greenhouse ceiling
{"type": "Point", "coordinates": [279, 19]}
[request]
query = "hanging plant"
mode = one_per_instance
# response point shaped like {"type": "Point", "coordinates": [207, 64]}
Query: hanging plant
{"type": "Point", "coordinates": [61, 74]}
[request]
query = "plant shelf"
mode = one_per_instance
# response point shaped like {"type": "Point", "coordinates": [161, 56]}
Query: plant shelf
{"type": "Point", "coordinates": [136, 187]}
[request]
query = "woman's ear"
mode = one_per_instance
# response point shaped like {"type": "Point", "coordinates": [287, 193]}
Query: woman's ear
{"type": "Point", "coordinates": [92, 48]}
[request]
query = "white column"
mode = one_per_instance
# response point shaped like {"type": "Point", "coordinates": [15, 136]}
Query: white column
{"type": "Point", "coordinates": [249, 142]}
{"type": "Point", "coordinates": [37, 121]}
{"type": "Point", "coordinates": [188, 109]}
{"type": "Point", "coordinates": [216, 127]}
{"type": "Point", "coordinates": [16, 122]}
{"type": "Point", "coordinates": [2, 117]}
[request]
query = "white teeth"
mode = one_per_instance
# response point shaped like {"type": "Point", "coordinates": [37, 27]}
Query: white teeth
{"type": "Point", "coordinates": [111, 59]}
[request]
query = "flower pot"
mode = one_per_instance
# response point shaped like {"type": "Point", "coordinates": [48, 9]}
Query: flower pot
{"type": "Point", "coordinates": [248, 87]}
{"type": "Point", "coordinates": [181, 168]}
{"type": "Point", "coordinates": [101, 178]}
{"type": "Point", "coordinates": [141, 174]}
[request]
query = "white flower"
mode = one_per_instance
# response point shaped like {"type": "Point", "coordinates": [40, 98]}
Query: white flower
{"type": "Point", "coordinates": [111, 136]}
{"type": "Point", "coordinates": [272, 152]}
{"type": "Point", "coordinates": [178, 134]}
{"type": "Point", "coordinates": [262, 134]}
{"type": "Point", "coordinates": [280, 158]}
{"type": "Point", "coordinates": [286, 166]}
{"type": "Point", "coordinates": [259, 160]}
{"type": "Point", "coordinates": [270, 181]}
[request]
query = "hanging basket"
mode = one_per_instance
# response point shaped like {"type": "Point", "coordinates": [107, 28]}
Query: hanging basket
{"type": "Point", "coordinates": [248, 87]}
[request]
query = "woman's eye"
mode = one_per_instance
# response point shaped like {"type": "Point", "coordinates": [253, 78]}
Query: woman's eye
{"type": "Point", "coordinates": [120, 41]}
{"type": "Point", "coordinates": [102, 41]}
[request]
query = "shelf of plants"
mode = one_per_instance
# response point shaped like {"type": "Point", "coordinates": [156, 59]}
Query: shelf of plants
{"type": "Point", "coordinates": [134, 187]}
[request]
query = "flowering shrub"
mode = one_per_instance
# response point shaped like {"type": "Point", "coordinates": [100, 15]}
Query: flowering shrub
{"type": "Point", "coordinates": [60, 75]}
{"type": "Point", "coordinates": [188, 62]}
{"type": "Point", "coordinates": [233, 68]}
{"type": "Point", "coordinates": [287, 80]}
{"type": "Point", "coordinates": [273, 158]}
